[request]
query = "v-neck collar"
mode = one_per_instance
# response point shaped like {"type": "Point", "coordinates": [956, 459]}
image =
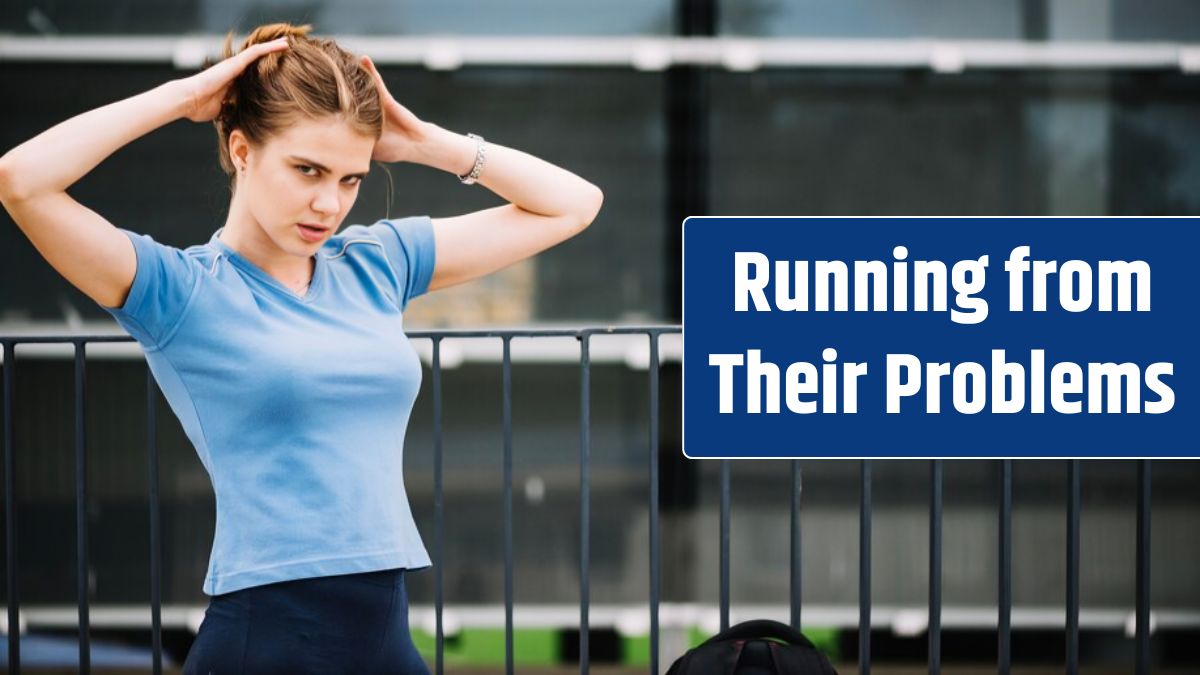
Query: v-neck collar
{"type": "Point", "coordinates": [314, 285]}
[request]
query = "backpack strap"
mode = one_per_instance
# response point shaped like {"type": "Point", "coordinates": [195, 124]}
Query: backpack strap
{"type": "Point", "coordinates": [757, 656]}
{"type": "Point", "coordinates": [759, 628]}
{"type": "Point", "coordinates": [806, 658]}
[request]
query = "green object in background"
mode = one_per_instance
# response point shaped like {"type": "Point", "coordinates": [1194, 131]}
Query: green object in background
{"type": "Point", "coordinates": [485, 647]}
{"type": "Point", "coordinates": [540, 647]}
{"type": "Point", "coordinates": [825, 639]}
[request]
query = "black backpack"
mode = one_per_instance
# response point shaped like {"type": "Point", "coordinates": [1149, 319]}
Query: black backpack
{"type": "Point", "coordinates": [743, 650]}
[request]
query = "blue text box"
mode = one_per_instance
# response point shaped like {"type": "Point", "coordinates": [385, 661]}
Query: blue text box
{"type": "Point", "coordinates": [1078, 355]}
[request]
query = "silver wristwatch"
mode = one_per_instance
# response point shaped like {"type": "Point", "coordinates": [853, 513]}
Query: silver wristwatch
{"type": "Point", "coordinates": [480, 148]}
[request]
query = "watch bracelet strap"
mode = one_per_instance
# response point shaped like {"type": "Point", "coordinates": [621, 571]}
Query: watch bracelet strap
{"type": "Point", "coordinates": [480, 155]}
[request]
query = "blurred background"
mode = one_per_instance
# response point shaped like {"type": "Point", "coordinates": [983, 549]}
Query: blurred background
{"type": "Point", "coordinates": [674, 108]}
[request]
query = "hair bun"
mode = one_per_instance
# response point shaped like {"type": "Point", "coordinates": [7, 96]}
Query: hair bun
{"type": "Point", "coordinates": [274, 31]}
{"type": "Point", "coordinates": [264, 33]}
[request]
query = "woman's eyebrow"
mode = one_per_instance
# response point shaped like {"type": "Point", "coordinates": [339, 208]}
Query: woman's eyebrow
{"type": "Point", "coordinates": [324, 168]}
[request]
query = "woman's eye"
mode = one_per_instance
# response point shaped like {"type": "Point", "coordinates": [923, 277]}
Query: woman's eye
{"type": "Point", "coordinates": [350, 180]}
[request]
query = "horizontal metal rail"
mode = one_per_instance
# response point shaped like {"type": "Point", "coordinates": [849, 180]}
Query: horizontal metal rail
{"type": "Point", "coordinates": [644, 53]}
{"type": "Point", "coordinates": [631, 619]}
{"type": "Point", "coordinates": [629, 349]}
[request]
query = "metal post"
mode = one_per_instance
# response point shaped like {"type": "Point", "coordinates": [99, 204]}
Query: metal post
{"type": "Point", "coordinates": [155, 525]}
{"type": "Point", "coordinates": [654, 535]}
{"type": "Point", "coordinates": [585, 365]}
{"type": "Point", "coordinates": [794, 554]}
{"type": "Point", "coordinates": [864, 568]}
{"type": "Point", "coordinates": [85, 651]}
{"type": "Point", "coordinates": [1004, 593]}
{"type": "Point", "coordinates": [724, 544]}
{"type": "Point", "coordinates": [935, 567]}
{"type": "Point", "coordinates": [1072, 619]}
{"type": "Point", "coordinates": [439, 549]}
{"type": "Point", "coordinates": [508, 508]}
{"type": "Point", "coordinates": [10, 510]}
{"type": "Point", "coordinates": [1143, 568]}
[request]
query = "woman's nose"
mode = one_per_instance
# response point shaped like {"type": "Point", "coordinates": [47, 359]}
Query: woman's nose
{"type": "Point", "coordinates": [326, 200]}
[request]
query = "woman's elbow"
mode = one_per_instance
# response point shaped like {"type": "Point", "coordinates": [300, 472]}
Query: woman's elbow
{"type": "Point", "coordinates": [8, 189]}
{"type": "Point", "coordinates": [593, 202]}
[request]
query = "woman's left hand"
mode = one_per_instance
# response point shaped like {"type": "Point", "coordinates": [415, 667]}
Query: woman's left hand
{"type": "Point", "coordinates": [403, 132]}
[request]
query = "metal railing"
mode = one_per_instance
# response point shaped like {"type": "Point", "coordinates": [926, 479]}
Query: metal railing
{"type": "Point", "coordinates": [584, 336]}
{"type": "Point", "coordinates": [648, 53]}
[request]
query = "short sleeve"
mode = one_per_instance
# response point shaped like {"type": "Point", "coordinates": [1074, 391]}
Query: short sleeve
{"type": "Point", "coordinates": [162, 287]}
{"type": "Point", "coordinates": [409, 245]}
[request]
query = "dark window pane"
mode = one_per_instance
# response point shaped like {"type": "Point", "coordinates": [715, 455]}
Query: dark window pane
{"type": "Point", "coordinates": [993, 19]}
{"type": "Point", "coordinates": [874, 143]}
{"type": "Point", "coordinates": [1156, 146]}
{"type": "Point", "coordinates": [1176, 20]}
{"type": "Point", "coordinates": [368, 17]}
{"type": "Point", "coordinates": [980, 143]}
{"type": "Point", "coordinates": [604, 124]}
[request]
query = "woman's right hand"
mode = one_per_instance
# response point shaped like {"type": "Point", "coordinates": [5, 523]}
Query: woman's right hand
{"type": "Point", "coordinates": [205, 91]}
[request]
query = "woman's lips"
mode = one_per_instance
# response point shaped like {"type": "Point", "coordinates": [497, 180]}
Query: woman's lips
{"type": "Point", "coordinates": [311, 232]}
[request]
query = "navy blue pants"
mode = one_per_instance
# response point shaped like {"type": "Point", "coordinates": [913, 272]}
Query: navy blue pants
{"type": "Point", "coordinates": [348, 623]}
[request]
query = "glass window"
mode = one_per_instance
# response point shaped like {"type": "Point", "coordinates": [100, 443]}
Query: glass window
{"type": "Point", "coordinates": [603, 124]}
{"type": "Point", "coordinates": [873, 143]}
{"type": "Point", "coordinates": [1174, 20]}
{"type": "Point", "coordinates": [991, 19]}
{"type": "Point", "coordinates": [978, 143]}
{"type": "Point", "coordinates": [367, 17]}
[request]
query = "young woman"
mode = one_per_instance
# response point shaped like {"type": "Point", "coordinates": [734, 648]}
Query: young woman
{"type": "Point", "coordinates": [280, 342]}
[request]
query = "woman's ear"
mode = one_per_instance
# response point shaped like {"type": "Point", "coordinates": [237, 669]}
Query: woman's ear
{"type": "Point", "coordinates": [239, 149]}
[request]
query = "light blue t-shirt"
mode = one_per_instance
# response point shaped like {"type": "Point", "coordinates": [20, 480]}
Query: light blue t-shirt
{"type": "Point", "coordinates": [297, 405]}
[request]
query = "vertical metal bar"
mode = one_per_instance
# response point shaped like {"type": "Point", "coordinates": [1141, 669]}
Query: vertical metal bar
{"type": "Point", "coordinates": [155, 525]}
{"type": "Point", "coordinates": [1143, 568]}
{"type": "Point", "coordinates": [585, 516]}
{"type": "Point", "coordinates": [85, 651]}
{"type": "Point", "coordinates": [508, 509]}
{"type": "Point", "coordinates": [1072, 618]}
{"type": "Point", "coordinates": [654, 535]}
{"type": "Point", "coordinates": [935, 567]}
{"type": "Point", "coordinates": [10, 510]}
{"type": "Point", "coordinates": [794, 555]}
{"type": "Point", "coordinates": [438, 509]}
{"type": "Point", "coordinates": [864, 568]}
{"type": "Point", "coordinates": [1004, 594]}
{"type": "Point", "coordinates": [688, 164]}
{"type": "Point", "coordinates": [724, 544]}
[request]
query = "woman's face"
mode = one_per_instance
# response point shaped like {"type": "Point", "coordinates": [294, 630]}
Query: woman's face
{"type": "Point", "coordinates": [307, 174]}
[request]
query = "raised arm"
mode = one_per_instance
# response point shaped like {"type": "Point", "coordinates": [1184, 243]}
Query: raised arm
{"type": "Point", "coordinates": [548, 204]}
{"type": "Point", "coordinates": [81, 245]}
